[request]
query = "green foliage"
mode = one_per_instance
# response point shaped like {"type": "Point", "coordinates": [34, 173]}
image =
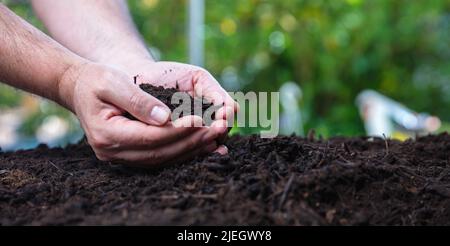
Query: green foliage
{"type": "Point", "coordinates": [9, 97]}
{"type": "Point", "coordinates": [47, 108]}
{"type": "Point", "coordinates": [332, 49]}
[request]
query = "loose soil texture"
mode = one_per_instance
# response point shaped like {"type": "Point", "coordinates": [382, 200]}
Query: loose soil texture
{"type": "Point", "coordinates": [281, 181]}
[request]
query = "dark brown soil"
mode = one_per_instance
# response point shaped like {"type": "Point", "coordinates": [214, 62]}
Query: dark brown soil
{"type": "Point", "coordinates": [197, 106]}
{"type": "Point", "coordinates": [284, 181]}
{"type": "Point", "coordinates": [281, 181]}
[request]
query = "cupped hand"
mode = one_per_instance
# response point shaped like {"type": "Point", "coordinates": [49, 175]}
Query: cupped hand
{"type": "Point", "coordinates": [100, 95]}
{"type": "Point", "coordinates": [194, 80]}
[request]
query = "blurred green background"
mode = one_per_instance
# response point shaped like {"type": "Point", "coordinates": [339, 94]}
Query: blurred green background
{"type": "Point", "coordinates": [332, 49]}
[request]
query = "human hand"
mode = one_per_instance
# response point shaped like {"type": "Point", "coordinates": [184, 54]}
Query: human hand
{"type": "Point", "coordinates": [100, 95]}
{"type": "Point", "coordinates": [187, 78]}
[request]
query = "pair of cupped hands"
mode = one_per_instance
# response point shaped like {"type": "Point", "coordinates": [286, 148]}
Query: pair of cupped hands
{"type": "Point", "coordinates": [101, 95]}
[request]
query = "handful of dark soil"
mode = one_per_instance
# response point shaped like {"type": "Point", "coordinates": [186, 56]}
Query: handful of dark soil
{"type": "Point", "coordinates": [197, 106]}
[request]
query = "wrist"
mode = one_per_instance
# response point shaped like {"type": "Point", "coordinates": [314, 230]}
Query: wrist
{"type": "Point", "coordinates": [67, 83]}
{"type": "Point", "coordinates": [131, 65]}
{"type": "Point", "coordinates": [126, 59]}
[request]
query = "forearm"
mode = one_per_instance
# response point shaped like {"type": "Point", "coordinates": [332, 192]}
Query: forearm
{"type": "Point", "coordinates": [32, 61]}
{"type": "Point", "coordinates": [100, 30]}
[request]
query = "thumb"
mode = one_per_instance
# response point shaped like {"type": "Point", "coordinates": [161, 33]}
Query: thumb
{"type": "Point", "coordinates": [140, 104]}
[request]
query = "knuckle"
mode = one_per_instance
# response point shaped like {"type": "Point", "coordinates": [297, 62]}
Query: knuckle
{"type": "Point", "coordinates": [107, 75]}
{"type": "Point", "coordinates": [104, 81]}
{"type": "Point", "coordinates": [193, 143]}
{"type": "Point", "coordinates": [102, 156]}
{"type": "Point", "coordinates": [201, 72]}
{"type": "Point", "coordinates": [101, 87]}
{"type": "Point", "coordinates": [155, 157]}
{"type": "Point", "coordinates": [146, 140]}
{"type": "Point", "coordinates": [136, 102]}
{"type": "Point", "coordinates": [98, 141]}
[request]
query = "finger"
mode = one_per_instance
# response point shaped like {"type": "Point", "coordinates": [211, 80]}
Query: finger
{"type": "Point", "coordinates": [205, 85]}
{"type": "Point", "coordinates": [226, 113]}
{"type": "Point", "coordinates": [129, 134]}
{"type": "Point", "coordinates": [135, 101]}
{"type": "Point", "coordinates": [175, 161]}
{"type": "Point", "coordinates": [209, 148]}
{"type": "Point", "coordinates": [163, 155]}
{"type": "Point", "coordinates": [222, 149]}
{"type": "Point", "coordinates": [222, 126]}
{"type": "Point", "coordinates": [188, 121]}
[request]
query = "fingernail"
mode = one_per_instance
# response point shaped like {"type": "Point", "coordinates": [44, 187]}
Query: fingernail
{"type": "Point", "coordinates": [159, 114]}
{"type": "Point", "coordinates": [223, 150]}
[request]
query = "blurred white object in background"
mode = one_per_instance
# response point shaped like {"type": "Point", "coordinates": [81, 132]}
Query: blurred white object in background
{"type": "Point", "coordinates": [291, 117]}
{"type": "Point", "coordinates": [384, 116]}
{"type": "Point", "coordinates": [10, 121]}
{"type": "Point", "coordinates": [196, 16]}
{"type": "Point", "coordinates": [17, 125]}
{"type": "Point", "coordinates": [52, 130]}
